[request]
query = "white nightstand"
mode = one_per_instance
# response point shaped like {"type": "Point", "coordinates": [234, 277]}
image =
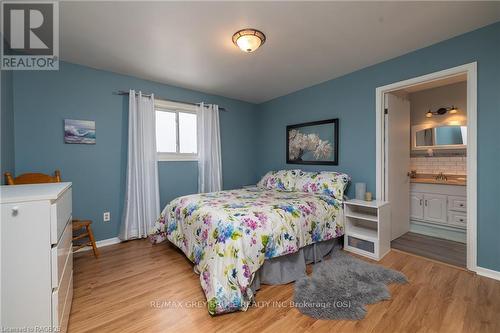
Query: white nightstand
{"type": "Point", "coordinates": [367, 227]}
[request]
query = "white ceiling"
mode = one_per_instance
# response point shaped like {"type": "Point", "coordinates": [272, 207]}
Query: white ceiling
{"type": "Point", "coordinates": [189, 44]}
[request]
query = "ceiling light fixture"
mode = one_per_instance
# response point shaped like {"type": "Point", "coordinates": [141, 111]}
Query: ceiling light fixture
{"type": "Point", "coordinates": [249, 40]}
{"type": "Point", "coordinates": [441, 112]}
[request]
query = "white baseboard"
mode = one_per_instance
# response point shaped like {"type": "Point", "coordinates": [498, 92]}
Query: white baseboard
{"type": "Point", "coordinates": [101, 243]}
{"type": "Point", "coordinates": [488, 273]}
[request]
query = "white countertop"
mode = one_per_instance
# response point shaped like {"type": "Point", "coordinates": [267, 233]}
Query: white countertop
{"type": "Point", "coordinates": [32, 192]}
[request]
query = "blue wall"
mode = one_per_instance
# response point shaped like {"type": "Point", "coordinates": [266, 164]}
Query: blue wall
{"type": "Point", "coordinates": [7, 125]}
{"type": "Point", "coordinates": [352, 99]}
{"type": "Point", "coordinates": [44, 99]}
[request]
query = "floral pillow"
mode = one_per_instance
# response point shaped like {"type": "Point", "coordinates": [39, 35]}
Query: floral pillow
{"type": "Point", "coordinates": [282, 180]}
{"type": "Point", "coordinates": [331, 183]}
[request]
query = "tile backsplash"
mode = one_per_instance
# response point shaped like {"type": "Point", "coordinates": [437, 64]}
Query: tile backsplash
{"type": "Point", "coordinates": [455, 165]}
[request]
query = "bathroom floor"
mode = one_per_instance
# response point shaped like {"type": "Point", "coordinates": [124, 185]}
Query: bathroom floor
{"type": "Point", "coordinates": [450, 252]}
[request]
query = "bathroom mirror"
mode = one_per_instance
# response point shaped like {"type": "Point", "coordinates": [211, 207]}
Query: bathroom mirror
{"type": "Point", "coordinates": [439, 137]}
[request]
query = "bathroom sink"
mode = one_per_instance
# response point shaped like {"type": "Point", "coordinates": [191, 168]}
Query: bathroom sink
{"type": "Point", "coordinates": [431, 179]}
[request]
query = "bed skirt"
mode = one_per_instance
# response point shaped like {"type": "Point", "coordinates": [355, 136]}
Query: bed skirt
{"type": "Point", "coordinates": [291, 267]}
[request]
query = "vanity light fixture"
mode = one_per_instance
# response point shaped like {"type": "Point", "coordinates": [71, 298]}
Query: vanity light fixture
{"type": "Point", "coordinates": [249, 40]}
{"type": "Point", "coordinates": [441, 111]}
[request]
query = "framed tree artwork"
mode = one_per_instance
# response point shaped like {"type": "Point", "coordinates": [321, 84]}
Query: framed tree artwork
{"type": "Point", "coordinates": [316, 142]}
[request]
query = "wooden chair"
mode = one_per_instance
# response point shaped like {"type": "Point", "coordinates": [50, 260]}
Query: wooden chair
{"type": "Point", "coordinates": [78, 226]}
{"type": "Point", "coordinates": [32, 178]}
{"type": "Point", "coordinates": [40, 178]}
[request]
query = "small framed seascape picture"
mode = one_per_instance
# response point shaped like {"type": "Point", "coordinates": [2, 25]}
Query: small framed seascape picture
{"type": "Point", "coordinates": [315, 142]}
{"type": "Point", "coordinates": [79, 131]}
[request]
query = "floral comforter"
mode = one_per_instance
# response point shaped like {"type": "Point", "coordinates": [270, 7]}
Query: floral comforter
{"type": "Point", "coordinates": [229, 234]}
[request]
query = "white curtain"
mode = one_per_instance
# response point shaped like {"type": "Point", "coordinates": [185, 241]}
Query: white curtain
{"type": "Point", "coordinates": [142, 203]}
{"type": "Point", "coordinates": [209, 154]}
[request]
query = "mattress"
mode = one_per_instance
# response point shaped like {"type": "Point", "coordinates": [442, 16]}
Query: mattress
{"type": "Point", "coordinates": [229, 234]}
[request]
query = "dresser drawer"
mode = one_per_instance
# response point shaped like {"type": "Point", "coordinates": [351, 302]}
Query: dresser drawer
{"type": "Point", "coordinates": [60, 213]}
{"type": "Point", "coordinates": [62, 296]}
{"type": "Point", "coordinates": [61, 254]}
{"type": "Point", "coordinates": [458, 204]}
{"type": "Point", "coordinates": [457, 219]}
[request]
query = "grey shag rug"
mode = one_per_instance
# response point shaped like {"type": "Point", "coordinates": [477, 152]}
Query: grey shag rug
{"type": "Point", "coordinates": [342, 285]}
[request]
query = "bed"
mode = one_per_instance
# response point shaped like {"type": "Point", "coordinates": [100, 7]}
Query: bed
{"type": "Point", "coordinates": [228, 235]}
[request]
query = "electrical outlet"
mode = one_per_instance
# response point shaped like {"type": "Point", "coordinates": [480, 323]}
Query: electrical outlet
{"type": "Point", "coordinates": [106, 216]}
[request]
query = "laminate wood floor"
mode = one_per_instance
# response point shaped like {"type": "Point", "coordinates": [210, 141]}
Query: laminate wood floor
{"type": "Point", "coordinates": [128, 289]}
{"type": "Point", "coordinates": [450, 252]}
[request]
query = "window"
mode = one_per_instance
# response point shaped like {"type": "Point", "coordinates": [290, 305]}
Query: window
{"type": "Point", "coordinates": [176, 132]}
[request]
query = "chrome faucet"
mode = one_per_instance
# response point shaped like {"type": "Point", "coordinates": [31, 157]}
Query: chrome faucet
{"type": "Point", "coordinates": [441, 177]}
{"type": "Point", "coordinates": [412, 174]}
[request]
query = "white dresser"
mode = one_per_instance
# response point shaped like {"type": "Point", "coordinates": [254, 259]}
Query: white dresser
{"type": "Point", "coordinates": [36, 257]}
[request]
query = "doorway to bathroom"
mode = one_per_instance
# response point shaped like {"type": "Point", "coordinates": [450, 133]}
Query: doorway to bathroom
{"type": "Point", "coordinates": [426, 169]}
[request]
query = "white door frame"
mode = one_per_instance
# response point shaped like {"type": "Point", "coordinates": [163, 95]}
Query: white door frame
{"type": "Point", "coordinates": [471, 71]}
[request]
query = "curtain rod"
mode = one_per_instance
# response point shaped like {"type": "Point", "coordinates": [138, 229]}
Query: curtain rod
{"type": "Point", "coordinates": [122, 92]}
